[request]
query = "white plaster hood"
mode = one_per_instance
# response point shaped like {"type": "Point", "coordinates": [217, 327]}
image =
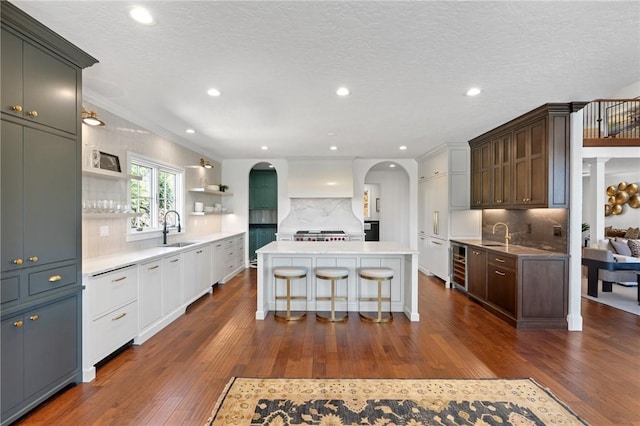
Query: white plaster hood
{"type": "Point", "coordinates": [314, 178]}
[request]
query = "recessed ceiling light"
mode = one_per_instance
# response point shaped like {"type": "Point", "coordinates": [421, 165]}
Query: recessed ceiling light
{"type": "Point", "coordinates": [142, 16]}
{"type": "Point", "coordinates": [190, 131]}
{"type": "Point", "coordinates": [342, 91]}
{"type": "Point", "coordinates": [213, 92]}
{"type": "Point", "coordinates": [474, 91]}
{"type": "Point", "coordinates": [271, 166]}
{"type": "Point", "coordinates": [264, 148]}
{"type": "Point", "coordinates": [402, 148]}
{"type": "Point", "coordinates": [392, 165]}
{"type": "Point", "coordinates": [333, 148]}
{"type": "Point", "coordinates": [331, 134]}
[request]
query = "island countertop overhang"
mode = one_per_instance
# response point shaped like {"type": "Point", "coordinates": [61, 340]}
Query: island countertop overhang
{"type": "Point", "coordinates": [338, 247]}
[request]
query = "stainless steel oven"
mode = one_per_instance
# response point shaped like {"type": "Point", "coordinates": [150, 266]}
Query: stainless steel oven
{"type": "Point", "coordinates": [321, 236]}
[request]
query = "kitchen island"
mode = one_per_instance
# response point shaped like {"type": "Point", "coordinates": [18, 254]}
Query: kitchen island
{"type": "Point", "coordinates": [347, 254]}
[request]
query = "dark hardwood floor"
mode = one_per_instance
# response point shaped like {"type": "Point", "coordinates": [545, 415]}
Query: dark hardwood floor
{"type": "Point", "coordinates": [177, 376]}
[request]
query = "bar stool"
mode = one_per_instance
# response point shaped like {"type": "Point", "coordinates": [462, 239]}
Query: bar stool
{"type": "Point", "coordinates": [379, 275]}
{"type": "Point", "coordinates": [288, 273]}
{"type": "Point", "coordinates": [333, 275]}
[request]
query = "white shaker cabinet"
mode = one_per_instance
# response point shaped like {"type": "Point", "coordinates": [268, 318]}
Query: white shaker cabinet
{"type": "Point", "coordinates": [171, 284]}
{"type": "Point", "coordinates": [150, 296]}
{"type": "Point", "coordinates": [196, 273]}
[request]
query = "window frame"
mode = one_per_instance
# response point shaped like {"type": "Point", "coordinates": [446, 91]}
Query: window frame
{"type": "Point", "coordinates": [180, 188]}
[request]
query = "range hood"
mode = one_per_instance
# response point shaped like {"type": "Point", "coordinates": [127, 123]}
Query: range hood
{"type": "Point", "coordinates": [313, 178]}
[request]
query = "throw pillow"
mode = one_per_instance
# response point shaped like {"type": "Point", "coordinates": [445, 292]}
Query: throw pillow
{"type": "Point", "coordinates": [634, 246]}
{"type": "Point", "coordinates": [632, 233]}
{"type": "Point", "coordinates": [621, 248]}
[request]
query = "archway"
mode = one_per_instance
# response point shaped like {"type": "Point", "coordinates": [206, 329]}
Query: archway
{"type": "Point", "coordinates": [263, 207]}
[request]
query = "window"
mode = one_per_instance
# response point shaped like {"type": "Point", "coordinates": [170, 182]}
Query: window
{"type": "Point", "coordinates": [159, 191]}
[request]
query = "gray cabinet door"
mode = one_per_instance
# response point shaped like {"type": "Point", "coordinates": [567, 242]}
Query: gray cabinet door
{"type": "Point", "coordinates": [50, 187]}
{"type": "Point", "coordinates": [12, 195]}
{"type": "Point", "coordinates": [50, 344]}
{"type": "Point", "coordinates": [11, 72]}
{"type": "Point", "coordinates": [12, 337]}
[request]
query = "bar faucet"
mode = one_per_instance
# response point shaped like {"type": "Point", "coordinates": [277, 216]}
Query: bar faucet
{"type": "Point", "coordinates": [165, 231]}
{"type": "Point", "coordinates": [507, 236]}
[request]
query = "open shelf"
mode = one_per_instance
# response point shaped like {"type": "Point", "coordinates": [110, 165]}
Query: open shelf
{"type": "Point", "coordinates": [207, 213]}
{"type": "Point", "coordinates": [108, 174]}
{"type": "Point", "coordinates": [208, 191]}
{"type": "Point", "coordinates": [108, 215]}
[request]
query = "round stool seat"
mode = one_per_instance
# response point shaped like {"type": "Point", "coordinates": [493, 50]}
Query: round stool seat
{"type": "Point", "coordinates": [374, 273]}
{"type": "Point", "coordinates": [300, 271]}
{"type": "Point", "coordinates": [332, 272]}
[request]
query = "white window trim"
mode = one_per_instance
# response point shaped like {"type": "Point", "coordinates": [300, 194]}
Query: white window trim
{"type": "Point", "coordinates": [180, 197]}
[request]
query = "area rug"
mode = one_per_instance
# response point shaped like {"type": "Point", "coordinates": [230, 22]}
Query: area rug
{"type": "Point", "coordinates": [623, 297]}
{"type": "Point", "coordinates": [389, 402]}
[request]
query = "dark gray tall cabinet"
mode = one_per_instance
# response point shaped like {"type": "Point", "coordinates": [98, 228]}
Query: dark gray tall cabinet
{"type": "Point", "coordinates": [41, 286]}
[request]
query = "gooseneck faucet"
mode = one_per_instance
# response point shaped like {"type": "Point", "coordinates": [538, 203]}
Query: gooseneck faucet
{"type": "Point", "coordinates": [165, 231]}
{"type": "Point", "coordinates": [507, 236]}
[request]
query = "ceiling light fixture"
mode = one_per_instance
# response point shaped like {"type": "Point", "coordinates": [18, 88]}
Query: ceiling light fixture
{"type": "Point", "coordinates": [264, 148]}
{"type": "Point", "coordinates": [333, 148]}
{"type": "Point", "coordinates": [213, 92]}
{"type": "Point", "coordinates": [90, 118]}
{"type": "Point", "coordinates": [142, 16]}
{"type": "Point", "coordinates": [206, 164]}
{"type": "Point", "coordinates": [474, 91]}
{"type": "Point", "coordinates": [392, 165]}
{"type": "Point", "coordinates": [342, 91]}
{"type": "Point", "coordinates": [403, 148]}
{"type": "Point", "coordinates": [190, 131]}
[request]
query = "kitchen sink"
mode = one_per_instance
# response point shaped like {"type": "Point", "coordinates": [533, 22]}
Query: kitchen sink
{"type": "Point", "coordinates": [493, 245]}
{"type": "Point", "coordinates": [180, 244]}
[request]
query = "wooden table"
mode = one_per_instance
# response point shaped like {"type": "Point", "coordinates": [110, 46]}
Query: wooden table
{"type": "Point", "coordinates": [592, 273]}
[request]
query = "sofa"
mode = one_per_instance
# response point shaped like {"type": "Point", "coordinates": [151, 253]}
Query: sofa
{"type": "Point", "coordinates": [615, 250]}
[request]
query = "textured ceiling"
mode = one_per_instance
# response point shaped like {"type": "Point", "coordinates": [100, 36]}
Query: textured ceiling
{"type": "Point", "coordinates": [408, 65]}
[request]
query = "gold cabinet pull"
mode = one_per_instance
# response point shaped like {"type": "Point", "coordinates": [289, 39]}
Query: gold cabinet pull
{"type": "Point", "coordinates": [34, 258]}
{"type": "Point", "coordinates": [54, 278]}
{"type": "Point", "coordinates": [174, 260]}
{"type": "Point", "coordinates": [500, 273]}
{"type": "Point", "coordinates": [34, 317]}
{"type": "Point", "coordinates": [122, 315]}
{"type": "Point", "coordinates": [18, 323]}
{"type": "Point", "coordinates": [118, 279]}
{"type": "Point", "coordinates": [152, 268]}
{"type": "Point", "coordinates": [499, 260]}
{"type": "Point", "coordinates": [16, 108]}
{"type": "Point", "coordinates": [17, 261]}
{"type": "Point", "coordinates": [33, 113]}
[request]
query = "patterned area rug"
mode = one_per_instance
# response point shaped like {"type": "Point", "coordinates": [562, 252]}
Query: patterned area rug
{"type": "Point", "coordinates": [388, 402]}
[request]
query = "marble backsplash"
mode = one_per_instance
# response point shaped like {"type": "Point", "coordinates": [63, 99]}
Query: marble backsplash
{"type": "Point", "coordinates": [324, 214]}
{"type": "Point", "coordinates": [544, 229]}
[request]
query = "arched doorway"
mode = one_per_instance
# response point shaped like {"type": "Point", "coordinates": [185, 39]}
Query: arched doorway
{"type": "Point", "coordinates": [263, 207]}
{"type": "Point", "coordinates": [386, 214]}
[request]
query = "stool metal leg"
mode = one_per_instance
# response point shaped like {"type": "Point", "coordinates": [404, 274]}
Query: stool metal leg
{"type": "Point", "coordinates": [379, 318]}
{"type": "Point", "coordinates": [332, 317]}
{"type": "Point", "coordinates": [288, 298]}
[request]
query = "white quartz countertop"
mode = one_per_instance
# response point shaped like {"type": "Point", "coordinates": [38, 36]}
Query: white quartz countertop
{"type": "Point", "coordinates": [335, 247]}
{"type": "Point", "coordinates": [96, 265]}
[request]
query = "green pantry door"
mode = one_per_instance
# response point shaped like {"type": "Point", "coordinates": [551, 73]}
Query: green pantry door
{"type": "Point", "coordinates": [263, 208]}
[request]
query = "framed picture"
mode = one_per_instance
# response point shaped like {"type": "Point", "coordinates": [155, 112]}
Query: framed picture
{"type": "Point", "coordinates": [109, 162]}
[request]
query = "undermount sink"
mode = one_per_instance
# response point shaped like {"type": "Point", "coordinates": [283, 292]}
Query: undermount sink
{"type": "Point", "coordinates": [180, 244]}
{"type": "Point", "coordinates": [493, 245]}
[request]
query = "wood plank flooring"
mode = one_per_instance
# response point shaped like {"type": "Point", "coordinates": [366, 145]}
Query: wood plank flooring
{"type": "Point", "coordinates": [176, 377]}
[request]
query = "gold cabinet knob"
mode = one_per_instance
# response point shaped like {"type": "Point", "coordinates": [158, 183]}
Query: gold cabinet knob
{"type": "Point", "coordinates": [54, 278]}
{"type": "Point", "coordinates": [34, 317]}
{"type": "Point", "coordinates": [33, 113]}
{"type": "Point", "coordinates": [17, 261]}
{"type": "Point", "coordinates": [18, 323]}
{"type": "Point", "coordinates": [34, 258]}
{"type": "Point", "coordinates": [16, 108]}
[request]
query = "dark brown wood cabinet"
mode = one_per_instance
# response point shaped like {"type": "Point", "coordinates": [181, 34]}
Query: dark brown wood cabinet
{"type": "Point", "coordinates": [528, 291]}
{"type": "Point", "coordinates": [481, 175]}
{"type": "Point", "coordinates": [524, 163]}
{"type": "Point", "coordinates": [477, 269]}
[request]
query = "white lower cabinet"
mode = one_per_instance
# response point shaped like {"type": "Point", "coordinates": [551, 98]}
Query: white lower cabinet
{"type": "Point", "coordinates": [196, 274]}
{"type": "Point", "coordinates": [110, 315]}
{"type": "Point", "coordinates": [150, 293]}
{"type": "Point", "coordinates": [136, 301]}
{"type": "Point", "coordinates": [171, 283]}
